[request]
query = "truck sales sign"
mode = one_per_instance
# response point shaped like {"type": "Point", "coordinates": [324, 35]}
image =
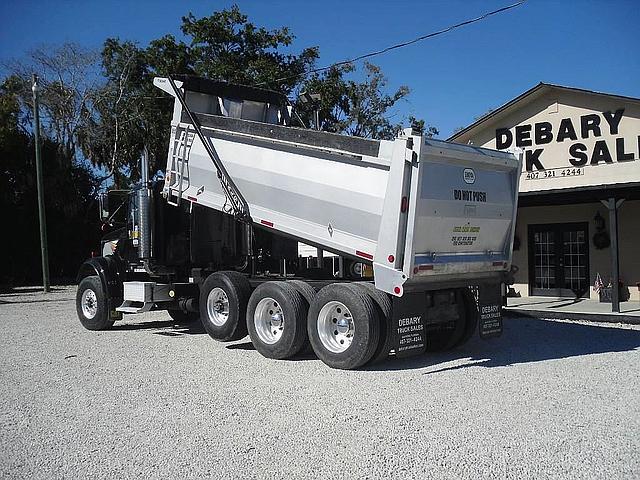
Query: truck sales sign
{"type": "Point", "coordinates": [582, 146]}
{"type": "Point", "coordinates": [570, 138]}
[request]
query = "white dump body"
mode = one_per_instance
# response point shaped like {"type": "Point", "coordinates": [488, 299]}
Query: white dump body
{"type": "Point", "coordinates": [419, 209]}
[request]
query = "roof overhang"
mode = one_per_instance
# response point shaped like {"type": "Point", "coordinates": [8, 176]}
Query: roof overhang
{"type": "Point", "coordinates": [527, 97]}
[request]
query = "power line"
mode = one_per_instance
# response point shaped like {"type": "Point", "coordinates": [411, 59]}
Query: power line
{"type": "Point", "coordinates": [398, 45]}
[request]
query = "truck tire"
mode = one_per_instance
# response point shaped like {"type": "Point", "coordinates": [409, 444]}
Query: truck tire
{"type": "Point", "coordinates": [471, 316]}
{"type": "Point", "coordinates": [223, 305]}
{"type": "Point", "coordinates": [306, 290]}
{"type": "Point", "coordinates": [308, 293]}
{"type": "Point", "coordinates": [446, 339]}
{"type": "Point", "coordinates": [276, 320]}
{"type": "Point", "coordinates": [384, 307]}
{"type": "Point", "coordinates": [91, 304]}
{"type": "Point", "coordinates": [343, 326]}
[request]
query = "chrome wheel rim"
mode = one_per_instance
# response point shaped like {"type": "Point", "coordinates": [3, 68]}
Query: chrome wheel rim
{"type": "Point", "coordinates": [89, 304]}
{"type": "Point", "coordinates": [335, 327]}
{"type": "Point", "coordinates": [268, 320]}
{"type": "Point", "coordinates": [218, 307]}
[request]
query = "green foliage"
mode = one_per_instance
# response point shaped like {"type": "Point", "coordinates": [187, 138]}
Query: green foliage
{"type": "Point", "coordinates": [130, 113]}
{"type": "Point", "coordinates": [227, 46]}
{"type": "Point", "coordinates": [68, 77]}
{"type": "Point", "coordinates": [101, 109]}
{"type": "Point", "coordinates": [420, 127]}
{"type": "Point", "coordinates": [69, 201]}
{"type": "Point", "coordinates": [361, 109]}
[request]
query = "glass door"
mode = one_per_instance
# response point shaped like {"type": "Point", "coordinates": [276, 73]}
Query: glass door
{"type": "Point", "coordinates": [559, 260]}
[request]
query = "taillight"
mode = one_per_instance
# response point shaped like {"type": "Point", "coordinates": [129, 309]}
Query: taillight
{"type": "Point", "coordinates": [404, 205]}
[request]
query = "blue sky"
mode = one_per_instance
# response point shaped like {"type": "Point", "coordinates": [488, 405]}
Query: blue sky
{"type": "Point", "coordinates": [453, 78]}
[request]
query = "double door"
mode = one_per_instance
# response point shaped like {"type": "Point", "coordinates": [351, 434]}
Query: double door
{"type": "Point", "coordinates": [559, 260]}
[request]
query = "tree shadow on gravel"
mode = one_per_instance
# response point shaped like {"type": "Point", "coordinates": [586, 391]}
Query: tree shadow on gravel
{"type": "Point", "coordinates": [13, 291]}
{"type": "Point", "coordinates": [41, 300]}
{"type": "Point", "coordinates": [525, 340]}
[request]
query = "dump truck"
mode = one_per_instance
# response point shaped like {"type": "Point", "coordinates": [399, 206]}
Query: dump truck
{"type": "Point", "coordinates": [215, 238]}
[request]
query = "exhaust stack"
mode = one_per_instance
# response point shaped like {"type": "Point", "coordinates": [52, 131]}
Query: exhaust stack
{"type": "Point", "coordinates": [144, 211]}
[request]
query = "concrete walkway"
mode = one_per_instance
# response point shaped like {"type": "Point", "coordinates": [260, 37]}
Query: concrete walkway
{"type": "Point", "coordinates": [573, 309]}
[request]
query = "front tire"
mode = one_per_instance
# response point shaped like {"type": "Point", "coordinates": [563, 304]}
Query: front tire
{"type": "Point", "coordinates": [223, 305]}
{"type": "Point", "coordinates": [343, 326]}
{"type": "Point", "coordinates": [91, 304]}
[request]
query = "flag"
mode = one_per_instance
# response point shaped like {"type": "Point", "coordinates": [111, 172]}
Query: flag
{"type": "Point", "coordinates": [599, 284]}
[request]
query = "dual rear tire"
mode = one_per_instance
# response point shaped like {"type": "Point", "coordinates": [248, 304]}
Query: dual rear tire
{"type": "Point", "coordinates": [276, 316]}
{"type": "Point", "coordinates": [462, 330]}
{"type": "Point", "coordinates": [346, 324]}
{"type": "Point", "coordinates": [342, 323]}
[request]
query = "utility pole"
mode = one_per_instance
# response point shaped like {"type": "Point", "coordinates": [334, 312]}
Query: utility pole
{"type": "Point", "coordinates": [41, 214]}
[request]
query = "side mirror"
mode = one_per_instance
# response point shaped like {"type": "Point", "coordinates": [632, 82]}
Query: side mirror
{"type": "Point", "coordinates": [103, 207]}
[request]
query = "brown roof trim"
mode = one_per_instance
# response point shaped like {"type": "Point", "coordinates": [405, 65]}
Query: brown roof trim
{"type": "Point", "coordinates": [519, 98]}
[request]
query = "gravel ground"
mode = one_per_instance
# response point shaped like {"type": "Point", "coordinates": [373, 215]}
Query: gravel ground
{"type": "Point", "coordinates": [549, 399]}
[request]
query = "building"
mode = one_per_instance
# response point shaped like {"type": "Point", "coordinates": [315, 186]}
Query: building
{"type": "Point", "coordinates": [579, 202]}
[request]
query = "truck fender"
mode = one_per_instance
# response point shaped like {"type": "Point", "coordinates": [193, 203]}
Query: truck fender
{"type": "Point", "coordinates": [108, 270]}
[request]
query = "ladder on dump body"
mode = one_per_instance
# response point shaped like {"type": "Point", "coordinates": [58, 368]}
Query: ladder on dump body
{"type": "Point", "coordinates": [238, 205]}
{"type": "Point", "coordinates": [181, 148]}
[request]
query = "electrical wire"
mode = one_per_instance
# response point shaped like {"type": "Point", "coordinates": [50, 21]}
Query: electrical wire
{"type": "Point", "coordinates": [396, 46]}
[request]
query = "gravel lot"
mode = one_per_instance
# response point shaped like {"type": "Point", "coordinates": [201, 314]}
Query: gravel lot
{"type": "Point", "coordinates": [549, 399]}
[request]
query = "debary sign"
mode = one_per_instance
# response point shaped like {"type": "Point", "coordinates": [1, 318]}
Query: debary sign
{"type": "Point", "coordinates": [572, 132]}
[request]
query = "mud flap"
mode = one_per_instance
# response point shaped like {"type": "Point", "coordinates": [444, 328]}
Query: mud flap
{"type": "Point", "coordinates": [490, 311]}
{"type": "Point", "coordinates": [408, 325]}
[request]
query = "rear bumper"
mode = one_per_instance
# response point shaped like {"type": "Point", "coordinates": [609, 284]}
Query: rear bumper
{"type": "Point", "coordinates": [439, 282]}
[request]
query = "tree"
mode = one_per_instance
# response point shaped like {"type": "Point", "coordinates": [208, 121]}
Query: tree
{"type": "Point", "coordinates": [132, 114]}
{"type": "Point", "coordinates": [361, 109]}
{"type": "Point", "coordinates": [69, 200]}
{"type": "Point", "coordinates": [226, 46]}
{"type": "Point", "coordinates": [127, 113]}
{"type": "Point", "coordinates": [68, 78]}
{"type": "Point", "coordinates": [422, 128]}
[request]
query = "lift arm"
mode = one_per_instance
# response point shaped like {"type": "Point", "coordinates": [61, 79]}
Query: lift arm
{"type": "Point", "coordinates": [239, 205]}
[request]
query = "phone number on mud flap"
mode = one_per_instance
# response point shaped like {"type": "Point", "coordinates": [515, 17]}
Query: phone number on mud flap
{"type": "Point", "coordinates": [555, 173]}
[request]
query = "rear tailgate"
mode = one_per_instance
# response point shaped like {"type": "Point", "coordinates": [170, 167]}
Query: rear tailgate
{"type": "Point", "coordinates": [462, 221]}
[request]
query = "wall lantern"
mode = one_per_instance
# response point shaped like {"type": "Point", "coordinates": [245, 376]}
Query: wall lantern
{"type": "Point", "coordinates": [600, 238]}
{"type": "Point", "coordinates": [599, 221]}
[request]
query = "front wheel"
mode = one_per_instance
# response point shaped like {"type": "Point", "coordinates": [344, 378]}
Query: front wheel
{"type": "Point", "coordinates": [91, 304]}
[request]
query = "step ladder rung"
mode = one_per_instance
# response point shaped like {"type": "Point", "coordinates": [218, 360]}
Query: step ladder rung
{"type": "Point", "coordinates": [181, 150]}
